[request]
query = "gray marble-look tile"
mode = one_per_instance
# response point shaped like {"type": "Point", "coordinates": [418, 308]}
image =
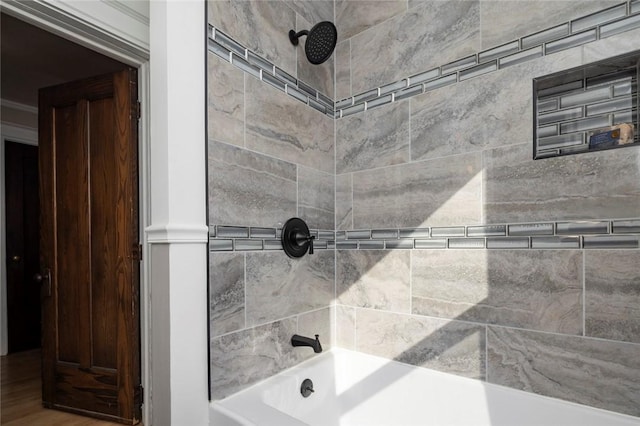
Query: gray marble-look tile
{"type": "Point", "coordinates": [239, 360]}
{"type": "Point", "coordinates": [612, 46]}
{"type": "Point", "coordinates": [356, 16]}
{"type": "Point", "coordinates": [317, 322]}
{"type": "Point", "coordinates": [597, 373]}
{"type": "Point", "coordinates": [342, 57]}
{"type": "Point", "coordinates": [602, 184]}
{"type": "Point", "coordinates": [612, 283]}
{"type": "Point", "coordinates": [316, 197]}
{"type": "Point", "coordinates": [279, 125]}
{"type": "Point", "coordinates": [345, 327]}
{"type": "Point", "coordinates": [248, 188]}
{"type": "Point", "coordinates": [373, 279]}
{"type": "Point", "coordinates": [450, 346]}
{"type": "Point", "coordinates": [226, 292]}
{"type": "Point", "coordinates": [225, 101]}
{"type": "Point", "coordinates": [424, 37]}
{"type": "Point", "coordinates": [313, 11]}
{"type": "Point", "coordinates": [533, 289]}
{"type": "Point", "coordinates": [440, 192]}
{"type": "Point", "coordinates": [503, 21]}
{"type": "Point", "coordinates": [344, 202]}
{"type": "Point", "coordinates": [261, 26]}
{"type": "Point", "coordinates": [278, 286]}
{"type": "Point", "coordinates": [320, 76]}
{"type": "Point", "coordinates": [476, 115]}
{"type": "Point", "coordinates": [372, 139]}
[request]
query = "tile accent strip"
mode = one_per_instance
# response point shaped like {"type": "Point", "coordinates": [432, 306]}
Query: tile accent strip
{"type": "Point", "coordinates": [236, 54]}
{"type": "Point", "coordinates": [594, 234]}
{"type": "Point", "coordinates": [607, 22]}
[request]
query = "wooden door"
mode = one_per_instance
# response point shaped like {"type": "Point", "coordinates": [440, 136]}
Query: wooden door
{"type": "Point", "coordinates": [89, 247]}
{"type": "Point", "coordinates": [23, 294]}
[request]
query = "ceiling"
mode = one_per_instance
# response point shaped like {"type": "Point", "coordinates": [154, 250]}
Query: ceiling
{"type": "Point", "coordinates": [32, 58]}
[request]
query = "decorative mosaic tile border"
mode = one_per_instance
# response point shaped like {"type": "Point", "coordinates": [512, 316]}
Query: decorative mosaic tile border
{"type": "Point", "coordinates": [236, 54]}
{"type": "Point", "coordinates": [595, 234]}
{"type": "Point", "coordinates": [245, 238]}
{"type": "Point", "coordinates": [605, 23]}
{"type": "Point", "coordinates": [599, 25]}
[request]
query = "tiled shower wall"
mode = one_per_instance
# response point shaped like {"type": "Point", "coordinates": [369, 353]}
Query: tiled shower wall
{"type": "Point", "coordinates": [563, 323]}
{"type": "Point", "coordinates": [269, 158]}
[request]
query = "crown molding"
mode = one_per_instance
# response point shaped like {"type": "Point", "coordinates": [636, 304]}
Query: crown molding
{"type": "Point", "coordinates": [18, 106]}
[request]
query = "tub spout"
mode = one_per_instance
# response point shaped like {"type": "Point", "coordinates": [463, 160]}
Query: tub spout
{"type": "Point", "coordinates": [297, 340]}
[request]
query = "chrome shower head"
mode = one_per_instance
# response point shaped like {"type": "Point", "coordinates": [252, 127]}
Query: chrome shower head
{"type": "Point", "coordinates": [321, 40]}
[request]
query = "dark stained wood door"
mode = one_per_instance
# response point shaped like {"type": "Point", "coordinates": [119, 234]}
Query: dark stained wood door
{"type": "Point", "coordinates": [22, 224]}
{"type": "Point", "coordinates": [89, 247]}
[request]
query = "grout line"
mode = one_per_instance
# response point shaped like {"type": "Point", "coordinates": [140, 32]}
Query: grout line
{"type": "Point", "coordinates": [245, 289]}
{"type": "Point", "coordinates": [244, 108]}
{"type": "Point", "coordinates": [584, 293]}
{"type": "Point", "coordinates": [484, 324]}
{"type": "Point", "coordinates": [486, 353]}
{"type": "Point", "coordinates": [353, 215]}
{"type": "Point", "coordinates": [355, 328]}
{"type": "Point", "coordinates": [483, 173]}
{"type": "Point", "coordinates": [411, 281]}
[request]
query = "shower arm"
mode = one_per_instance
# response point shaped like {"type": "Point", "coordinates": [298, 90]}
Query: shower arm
{"type": "Point", "coordinates": [293, 36]}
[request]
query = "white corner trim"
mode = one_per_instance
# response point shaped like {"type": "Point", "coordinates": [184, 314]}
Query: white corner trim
{"type": "Point", "coordinates": [14, 133]}
{"type": "Point", "coordinates": [18, 106]}
{"type": "Point", "coordinates": [177, 233]}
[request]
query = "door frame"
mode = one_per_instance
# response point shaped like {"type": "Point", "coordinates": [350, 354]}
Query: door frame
{"type": "Point", "coordinates": [86, 30]}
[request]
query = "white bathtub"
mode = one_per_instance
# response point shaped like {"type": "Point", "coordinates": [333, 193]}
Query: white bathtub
{"type": "Point", "coordinates": [352, 388]}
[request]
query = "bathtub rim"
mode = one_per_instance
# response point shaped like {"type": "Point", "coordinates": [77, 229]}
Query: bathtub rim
{"type": "Point", "coordinates": [333, 352]}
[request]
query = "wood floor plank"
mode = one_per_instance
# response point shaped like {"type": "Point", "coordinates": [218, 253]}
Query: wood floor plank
{"type": "Point", "coordinates": [20, 400]}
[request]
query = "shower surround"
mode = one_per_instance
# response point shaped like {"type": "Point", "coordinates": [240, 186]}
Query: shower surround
{"type": "Point", "coordinates": [445, 163]}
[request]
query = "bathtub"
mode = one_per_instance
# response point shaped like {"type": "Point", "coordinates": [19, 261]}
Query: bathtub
{"type": "Point", "coordinates": [351, 388]}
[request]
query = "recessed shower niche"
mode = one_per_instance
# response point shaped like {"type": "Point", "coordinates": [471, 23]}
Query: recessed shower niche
{"type": "Point", "coordinates": [589, 108]}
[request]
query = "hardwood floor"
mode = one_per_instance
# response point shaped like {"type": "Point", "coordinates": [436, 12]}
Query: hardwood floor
{"type": "Point", "coordinates": [21, 403]}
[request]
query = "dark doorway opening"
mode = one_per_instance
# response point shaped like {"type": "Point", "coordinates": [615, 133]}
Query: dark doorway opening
{"type": "Point", "coordinates": [23, 231]}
